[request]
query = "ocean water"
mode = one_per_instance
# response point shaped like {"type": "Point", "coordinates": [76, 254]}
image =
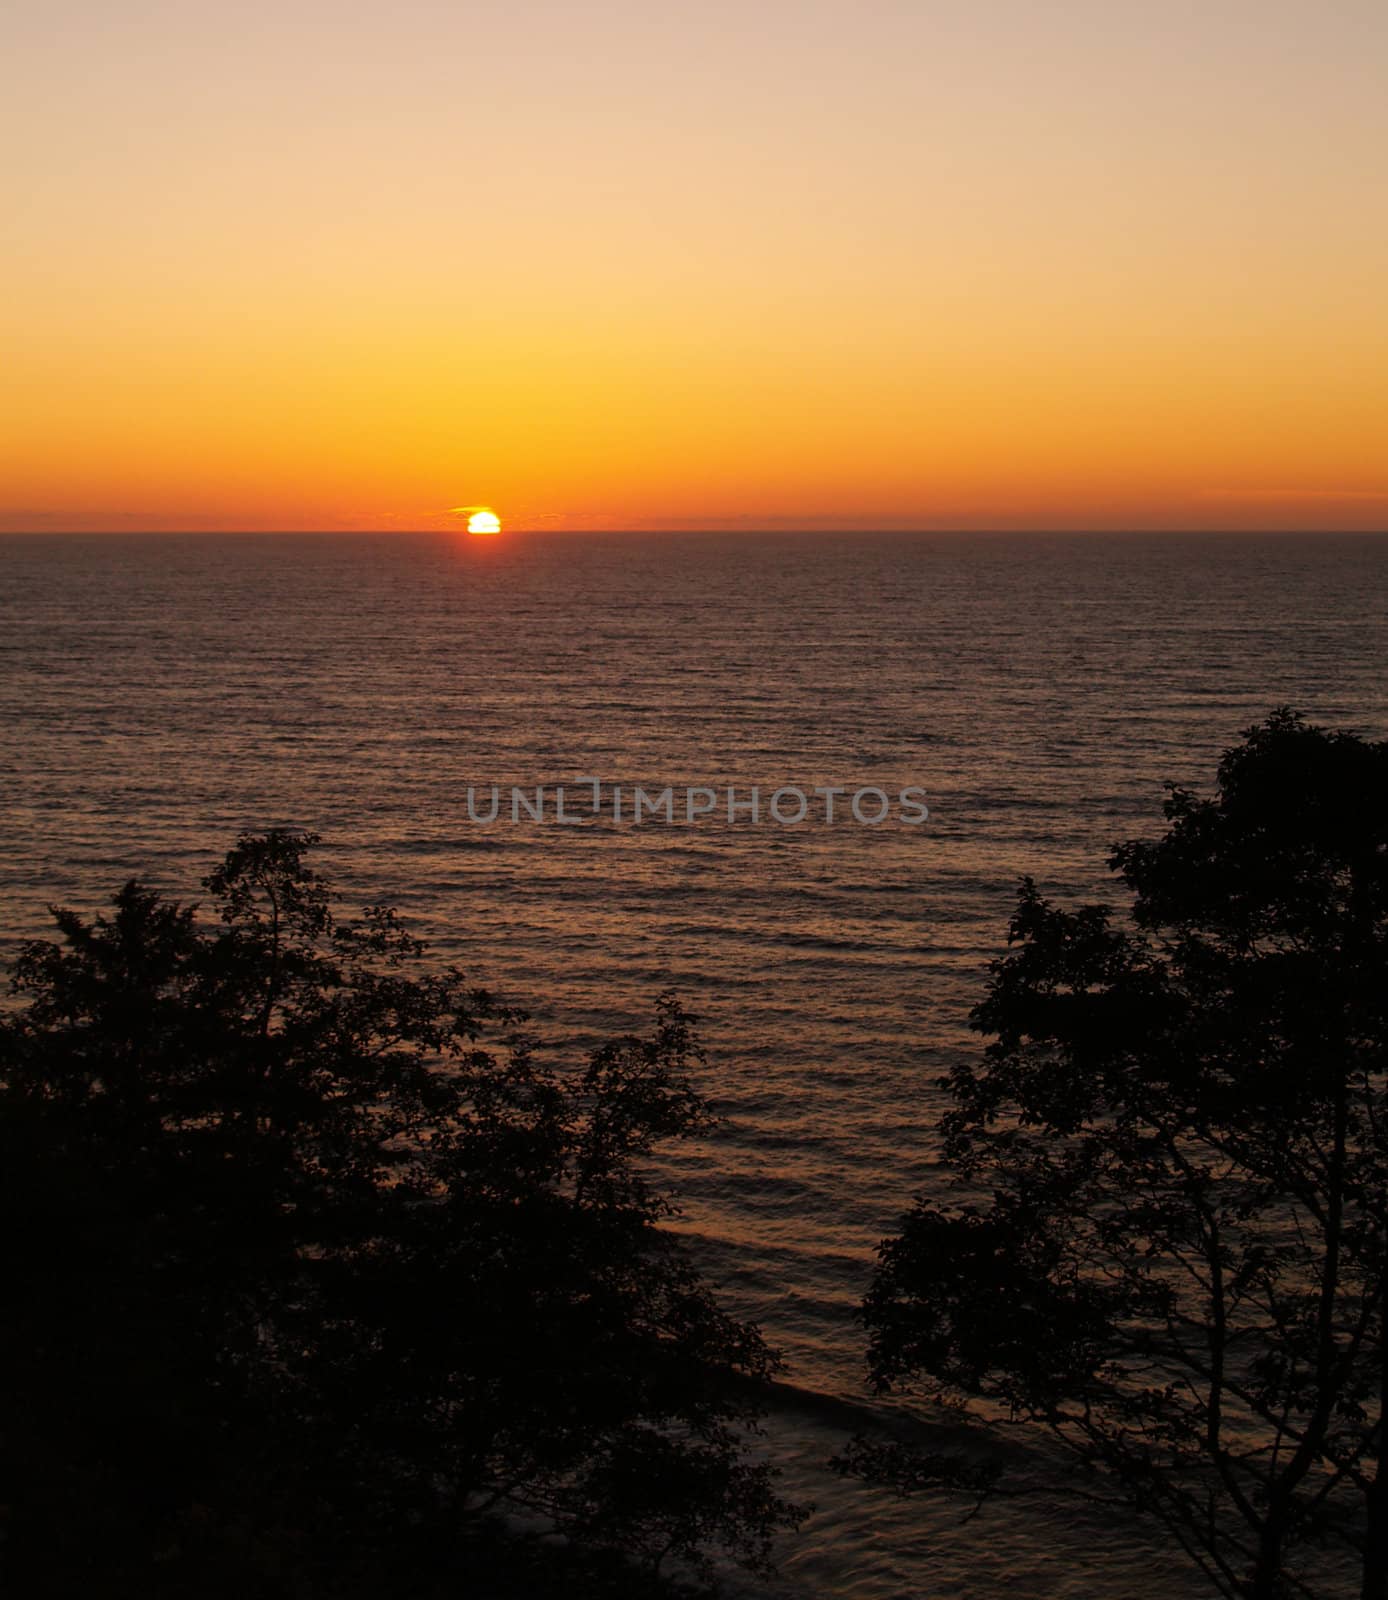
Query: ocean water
{"type": "Point", "coordinates": [160, 693]}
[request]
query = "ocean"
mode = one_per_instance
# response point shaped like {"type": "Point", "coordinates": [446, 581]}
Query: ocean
{"type": "Point", "coordinates": [160, 693]}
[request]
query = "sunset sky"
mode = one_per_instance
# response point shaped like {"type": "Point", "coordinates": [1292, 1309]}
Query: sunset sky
{"type": "Point", "coordinates": [774, 263]}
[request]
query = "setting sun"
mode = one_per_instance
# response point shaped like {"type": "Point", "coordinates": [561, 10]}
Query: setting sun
{"type": "Point", "coordinates": [484, 522]}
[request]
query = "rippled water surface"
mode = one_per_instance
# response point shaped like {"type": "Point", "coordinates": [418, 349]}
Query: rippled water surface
{"type": "Point", "coordinates": [161, 693]}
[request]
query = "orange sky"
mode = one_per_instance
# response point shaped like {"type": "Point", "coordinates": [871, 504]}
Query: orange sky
{"type": "Point", "coordinates": [772, 263]}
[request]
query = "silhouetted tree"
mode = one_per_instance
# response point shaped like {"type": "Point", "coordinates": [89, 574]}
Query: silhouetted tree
{"type": "Point", "coordinates": [1167, 1244]}
{"type": "Point", "coordinates": [304, 1284]}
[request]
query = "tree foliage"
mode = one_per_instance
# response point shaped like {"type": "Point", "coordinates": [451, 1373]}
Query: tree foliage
{"type": "Point", "coordinates": [315, 1263]}
{"type": "Point", "coordinates": [1166, 1239]}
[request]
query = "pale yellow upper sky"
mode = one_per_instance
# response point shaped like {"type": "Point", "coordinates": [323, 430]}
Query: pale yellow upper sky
{"type": "Point", "coordinates": [997, 264]}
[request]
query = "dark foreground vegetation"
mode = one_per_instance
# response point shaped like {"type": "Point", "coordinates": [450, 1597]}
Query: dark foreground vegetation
{"type": "Point", "coordinates": [309, 1292]}
{"type": "Point", "coordinates": [1166, 1244]}
{"type": "Point", "coordinates": [320, 1281]}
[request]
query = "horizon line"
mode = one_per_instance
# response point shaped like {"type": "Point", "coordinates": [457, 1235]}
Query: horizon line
{"type": "Point", "coordinates": [905, 531]}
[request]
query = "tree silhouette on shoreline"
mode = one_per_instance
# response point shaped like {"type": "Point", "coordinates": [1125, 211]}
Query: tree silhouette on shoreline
{"type": "Point", "coordinates": [315, 1265]}
{"type": "Point", "coordinates": [1167, 1243]}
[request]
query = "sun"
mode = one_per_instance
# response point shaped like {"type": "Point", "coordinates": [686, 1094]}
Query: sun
{"type": "Point", "coordinates": [484, 522]}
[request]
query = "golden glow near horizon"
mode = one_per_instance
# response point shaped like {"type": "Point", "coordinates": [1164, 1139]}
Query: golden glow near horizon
{"type": "Point", "coordinates": [484, 522]}
{"type": "Point", "coordinates": [804, 263]}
